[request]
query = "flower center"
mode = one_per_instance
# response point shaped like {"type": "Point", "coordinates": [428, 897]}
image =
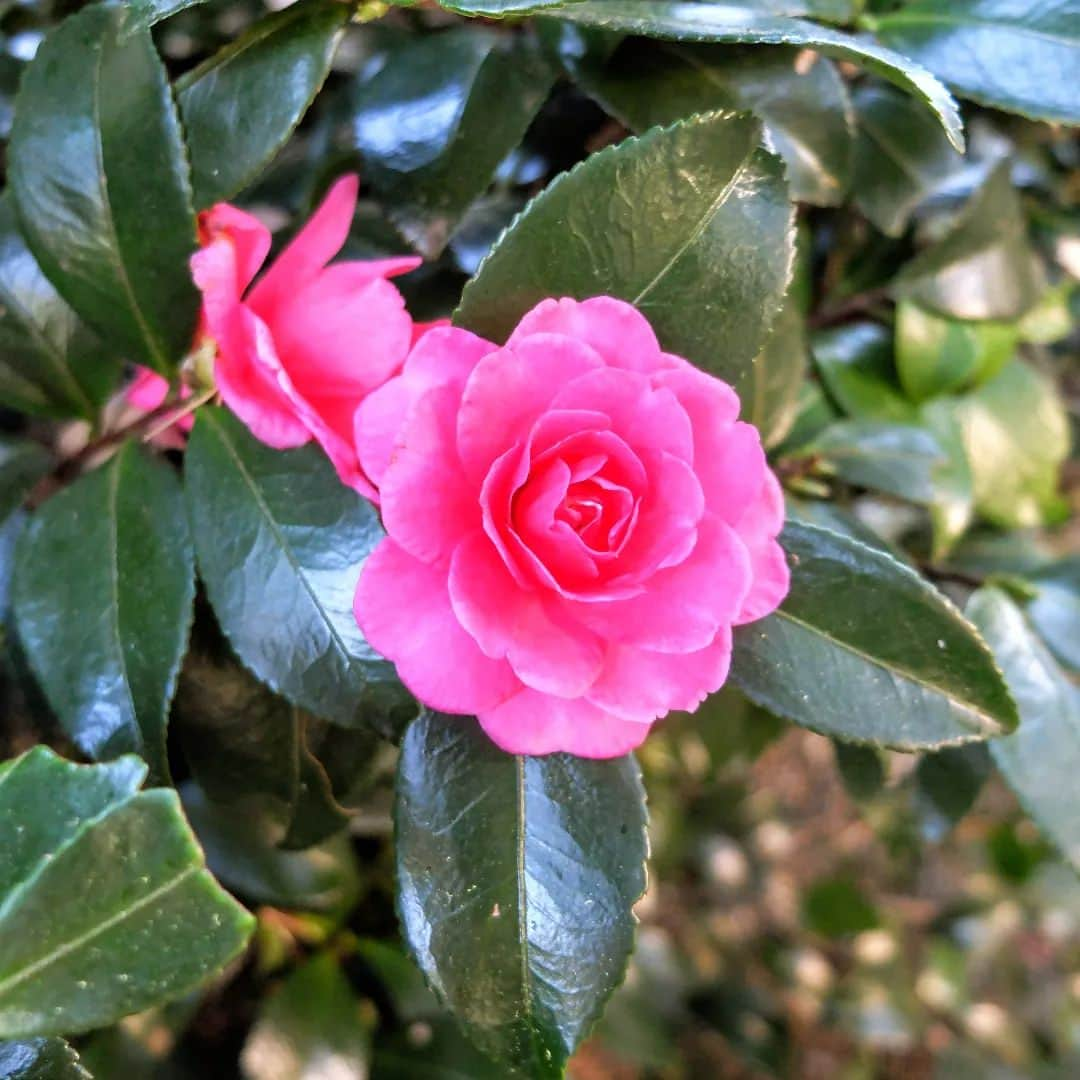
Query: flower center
{"type": "Point", "coordinates": [598, 511]}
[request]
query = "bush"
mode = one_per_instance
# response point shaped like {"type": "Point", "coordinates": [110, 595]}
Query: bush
{"type": "Point", "coordinates": [338, 606]}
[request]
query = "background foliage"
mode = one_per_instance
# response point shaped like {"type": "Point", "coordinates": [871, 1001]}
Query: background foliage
{"type": "Point", "coordinates": [266, 830]}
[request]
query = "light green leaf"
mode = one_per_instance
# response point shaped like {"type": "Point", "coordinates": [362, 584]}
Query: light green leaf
{"type": "Point", "coordinates": [1041, 760]}
{"type": "Point", "coordinates": [146, 923]}
{"type": "Point", "coordinates": [856, 364]}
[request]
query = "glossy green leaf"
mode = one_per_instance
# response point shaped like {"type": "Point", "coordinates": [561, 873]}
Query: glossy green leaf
{"type": "Point", "coordinates": [269, 77]}
{"type": "Point", "coordinates": [146, 922]}
{"type": "Point", "coordinates": [1041, 759]}
{"type": "Point", "coordinates": [40, 1059]}
{"type": "Point", "coordinates": [142, 14]}
{"type": "Point", "coordinates": [805, 111]}
{"type": "Point", "coordinates": [1055, 609]}
{"type": "Point", "coordinates": [949, 781]}
{"type": "Point", "coordinates": [100, 178]}
{"type": "Point", "coordinates": [516, 881]}
{"type": "Point", "coordinates": [953, 508]}
{"type": "Point", "coordinates": [983, 267]}
{"type": "Point", "coordinates": [51, 364]}
{"type": "Point", "coordinates": [247, 746]}
{"type": "Point", "coordinates": [1021, 57]}
{"type": "Point", "coordinates": [901, 156]}
{"type": "Point", "coordinates": [280, 543]}
{"type": "Point", "coordinates": [864, 649]}
{"type": "Point", "coordinates": [936, 355]}
{"type": "Point", "coordinates": [435, 122]}
{"type": "Point", "coordinates": [855, 362]}
{"type": "Point", "coordinates": [838, 519]}
{"type": "Point", "coordinates": [1016, 435]}
{"type": "Point", "coordinates": [769, 387]}
{"type": "Point", "coordinates": [497, 9]}
{"type": "Point", "coordinates": [241, 849]}
{"type": "Point", "coordinates": [679, 20]}
{"type": "Point", "coordinates": [313, 1020]}
{"type": "Point", "coordinates": [690, 223]}
{"type": "Point", "coordinates": [897, 459]}
{"type": "Point", "coordinates": [115, 543]}
{"type": "Point", "coordinates": [22, 465]}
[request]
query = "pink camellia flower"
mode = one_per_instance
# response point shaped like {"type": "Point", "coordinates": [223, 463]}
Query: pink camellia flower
{"type": "Point", "coordinates": [575, 523]}
{"type": "Point", "coordinates": [298, 352]}
{"type": "Point", "coordinates": [146, 392]}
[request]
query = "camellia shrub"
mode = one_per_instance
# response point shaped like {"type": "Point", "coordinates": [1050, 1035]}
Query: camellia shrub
{"type": "Point", "coordinates": [435, 434]}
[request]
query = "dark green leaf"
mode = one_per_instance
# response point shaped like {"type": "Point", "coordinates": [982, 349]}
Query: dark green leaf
{"type": "Point", "coordinates": [1019, 57]}
{"type": "Point", "coordinates": [897, 459]}
{"type": "Point", "coordinates": [769, 387]}
{"type": "Point", "coordinates": [115, 544]}
{"type": "Point", "coordinates": [866, 650]}
{"type": "Point", "coordinates": [1055, 609]}
{"type": "Point", "coordinates": [436, 120]}
{"type": "Point", "coordinates": [247, 746]}
{"type": "Point", "coordinates": [949, 782]}
{"type": "Point", "coordinates": [1041, 760]}
{"type": "Point", "coordinates": [861, 769]}
{"type": "Point", "coordinates": [901, 156]}
{"type": "Point", "coordinates": [953, 507]}
{"type": "Point", "coordinates": [51, 364]}
{"type": "Point", "coordinates": [517, 877]}
{"type": "Point", "coordinates": [40, 1059]}
{"type": "Point", "coordinates": [936, 355]}
{"type": "Point", "coordinates": [142, 14]}
{"type": "Point", "coordinates": [838, 519]}
{"type": "Point", "coordinates": [100, 179]}
{"type": "Point", "coordinates": [280, 543]}
{"type": "Point", "coordinates": [22, 465]}
{"type": "Point", "coordinates": [983, 267]}
{"type": "Point", "coordinates": [496, 9]}
{"type": "Point", "coordinates": [690, 223]}
{"type": "Point", "coordinates": [1016, 435]}
{"type": "Point", "coordinates": [241, 849]}
{"type": "Point", "coordinates": [107, 907]}
{"type": "Point", "coordinates": [680, 21]}
{"type": "Point", "coordinates": [806, 112]}
{"type": "Point", "coordinates": [837, 907]}
{"type": "Point", "coordinates": [856, 365]}
{"type": "Point", "coordinates": [313, 1020]}
{"type": "Point", "coordinates": [268, 77]}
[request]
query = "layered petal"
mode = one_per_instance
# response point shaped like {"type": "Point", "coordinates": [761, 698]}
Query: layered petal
{"type": "Point", "coordinates": [534, 723]}
{"type": "Point", "coordinates": [403, 608]}
{"type": "Point", "coordinates": [614, 328]}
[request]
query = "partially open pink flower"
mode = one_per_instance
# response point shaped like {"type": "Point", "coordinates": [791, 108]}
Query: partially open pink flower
{"type": "Point", "coordinates": [298, 352]}
{"type": "Point", "coordinates": [146, 392]}
{"type": "Point", "coordinates": [575, 523]}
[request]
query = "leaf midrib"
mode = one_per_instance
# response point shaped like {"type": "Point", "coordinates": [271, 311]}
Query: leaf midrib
{"type": "Point", "coordinates": [284, 546]}
{"type": "Point", "coordinates": [910, 676]}
{"type": "Point", "coordinates": [72, 945]}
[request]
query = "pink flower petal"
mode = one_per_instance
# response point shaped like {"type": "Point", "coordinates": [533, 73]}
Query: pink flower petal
{"type": "Point", "coordinates": [310, 250]}
{"type": "Point", "coordinates": [248, 236]}
{"type": "Point", "coordinates": [534, 723]}
{"type": "Point", "coordinates": [641, 685]}
{"type": "Point", "coordinates": [443, 356]}
{"type": "Point", "coordinates": [426, 504]}
{"type": "Point", "coordinates": [614, 328]}
{"type": "Point", "coordinates": [758, 528]}
{"type": "Point", "coordinates": [403, 608]}
{"type": "Point", "coordinates": [546, 652]}
{"type": "Point", "coordinates": [682, 609]}
{"type": "Point", "coordinates": [508, 390]}
{"type": "Point", "coordinates": [644, 417]}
